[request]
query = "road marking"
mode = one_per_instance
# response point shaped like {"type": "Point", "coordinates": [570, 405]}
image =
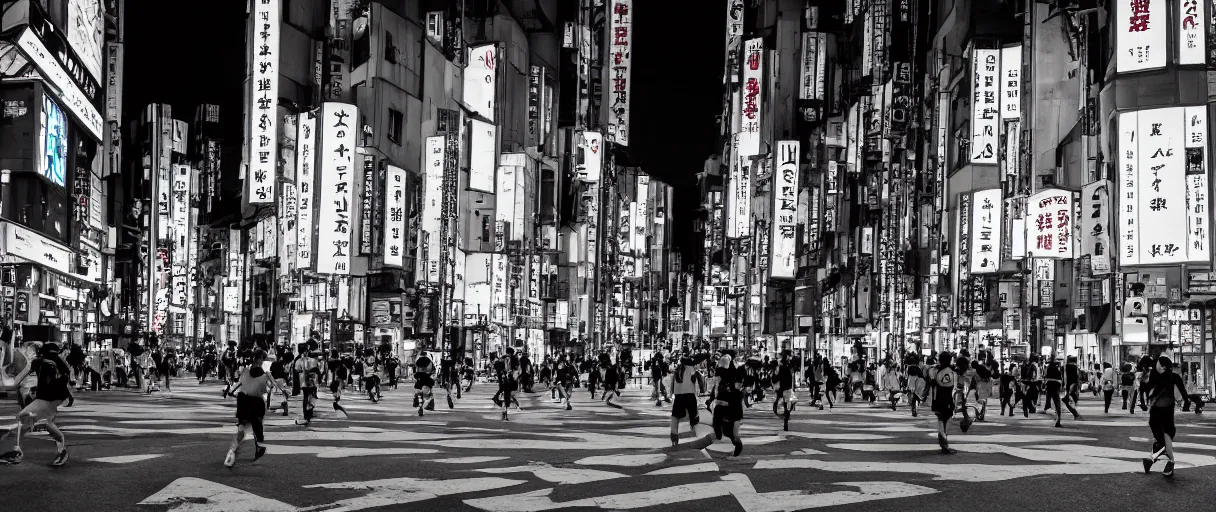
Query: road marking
{"type": "Point", "coordinates": [340, 452]}
{"type": "Point", "coordinates": [198, 495]}
{"type": "Point", "coordinates": [127, 459]}
{"type": "Point", "coordinates": [563, 476]}
{"type": "Point", "coordinates": [1014, 438]}
{"type": "Point", "coordinates": [705, 467]}
{"type": "Point", "coordinates": [638, 460]}
{"type": "Point", "coordinates": [397, 491]}
{"type": "Point", "coordinates": [736, 485]}
{"type": "Point", "coordinates": [468, 460]}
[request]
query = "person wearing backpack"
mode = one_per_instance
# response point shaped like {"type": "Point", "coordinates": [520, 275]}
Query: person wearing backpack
{"type": "Point", "coordinates": [1164, 388]}
{"type": "Point", "coordinates": [942, 382]}
{"type": "Point", "coordinates": [1029, 385]}
{"type": "Point", "coordinates": [1008, 386]}
{"type": "Point", "coordinates": [1127, 383]}
{"type": "Point", "coordinates": [136, 351]}
{"type": "Point", "coordinates": [54, 387]}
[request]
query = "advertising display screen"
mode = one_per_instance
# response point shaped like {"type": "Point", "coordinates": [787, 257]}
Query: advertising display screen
{"type": "Point", "coordinates": [53, 142]}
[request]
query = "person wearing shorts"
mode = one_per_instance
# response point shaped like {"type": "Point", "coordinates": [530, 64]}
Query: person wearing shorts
{"type": "Point", "coordinates": [53, 389]}
{"type": "Point", "coordinates": [1159, 392]}
{"type": "Point", "coordinates": [685, 404]}
{"type": "Point", "coordinates": [942, 381]}
{"type": "Point", "coordinates": [424, 368]}
{"type": "Point", "coordinates": [728, 401]}
{"type": "Point", "coordinates": [252, 386]}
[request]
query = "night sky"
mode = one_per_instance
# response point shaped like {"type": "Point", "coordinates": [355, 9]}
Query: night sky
{"type": "Point", "coordinates": [192, 54]}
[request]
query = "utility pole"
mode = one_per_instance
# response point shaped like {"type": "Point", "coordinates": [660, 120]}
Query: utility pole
{"type": "Point", "coordinates": [448, 126]}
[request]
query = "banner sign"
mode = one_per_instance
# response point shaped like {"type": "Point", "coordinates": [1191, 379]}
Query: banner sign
{"type": "Point", "coordinates": [306, 158]}
{"type": "Point", "coordinates": [395, 217]}
{"type": "Point", "coordinates": [986, 228]}
{"type": "Point", "coordinates": [984, 106]}
{"type": "Point", "coordinates": [620, 56]}
{"type": "Point", "coordinates": [1141, 30]}
{"type": "Point", "coordinates": [753, 81]}
{"type": "Point", "coordinates": [263, 100]}
{"type": "Point", "coordinates": [335, 190]}
{"type": "Point", "coordinates": [1049, 224]}
{"type": "Point", "coordinates": [1095, 225]}
{"type": "Point", "coordinates": [783, 256]}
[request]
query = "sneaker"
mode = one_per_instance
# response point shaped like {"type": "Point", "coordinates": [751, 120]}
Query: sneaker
{"type": "Point", "coordinates": [259, 452]}
{"type": "Point", "coordinates": [504, 416]}
{"type": "Point", "coordinates": [451, 404]}
{"type": "Point", "coordinates": [12, 458]}
{"type": "Point", "coordinates": [420, 411]}
{"type": "Point", "coordinates": [965, 424]}
{"type": "Point", "coordinates": [303, 423]}
{"type": "Point", "coordinates": [568, 408]}
{"type": "Point", "coordinates": [230, 459]}
{"type": "Point", "coordinates": [1169, 469]}
{"type": "Point", "coordinates": [738, 449]}
{"type": "Point", "coordinates": [941, 441]}
{"type": "Point", "coordinates": [61, 458]}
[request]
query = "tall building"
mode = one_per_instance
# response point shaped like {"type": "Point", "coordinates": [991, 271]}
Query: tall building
{"type": "Point", "coordinates": [55, 226]}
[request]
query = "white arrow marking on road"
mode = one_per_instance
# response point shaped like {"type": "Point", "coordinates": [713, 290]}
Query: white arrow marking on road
{"type": "Point", "coordinates": [563, 476]}
{"type": "Point", "coordinates": [737, 485]}
{"type": "Point", "coordinates": [127, 459]}
{"type": "Point", "coordinates": [705, 467]}
{"type": "Point", "coordinates": [396, 491]}
{"type": "Point", "coordinates": [198, 495]}
{"type": "Point", "coordinates": [644, 459]}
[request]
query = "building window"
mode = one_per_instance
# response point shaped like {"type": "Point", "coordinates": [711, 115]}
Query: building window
{"type": "Point", "coordinates": [390, 51]}
{"type": "Point", "coordinates": [395, 121]}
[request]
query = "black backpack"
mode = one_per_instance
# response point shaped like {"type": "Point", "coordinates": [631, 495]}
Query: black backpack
{"type": "Point", "coordinates": [48, 375]}
{"type": "Point", "coordinates": [136, 350]}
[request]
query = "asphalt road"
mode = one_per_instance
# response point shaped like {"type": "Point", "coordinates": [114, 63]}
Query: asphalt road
{"type": "Point", "coordinates": [151, 453]}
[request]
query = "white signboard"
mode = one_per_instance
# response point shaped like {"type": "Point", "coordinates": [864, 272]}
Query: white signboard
{"type": "Point", "coordinates": [288, 231]}
{"type": "Point", "coordinates": [432, 208]}
{"type": "Point", "coordinates": [504, 206]}
{"type": "Point", "coordinates": [263, 156]}
{"type": "Point", "coordinates": [1011, 82]}
{"type": "Point", "coordinates": [985, 115]}
{"type": "Point", "coordinates": [1129, 190]}
{"type": "Point", "coordinates": [480, 80]}
{"type": "Point", "coordinates": [734, 31]}
{"type": "Point", "coordinates": [782, 257]}
{"type": "Point", "coordinates": [1192, 32]}
{"type": "Point", "coordinates": [335, 187]}
{"type": "Point", "coordinates": [395, 222]}
{"type": "Point", "coordinates": [811, 85]}
{"type": "Point", "coordinates": [32, 246]}
{"type": "Point", "coordinates": [1198, 220]}
{"type": "Point", "coordinates": [641, 221]}
{"type": "Point", "coordinates": [591, 146]}
{"type": "Point", "coordinates": [306, 180]}
{"type": "Point", "coordinates": [753, 84]}
{"type": "Point", "coordinates": [1141, 30]}
{"type": "Point", "coordinates": [986, 224]}
{"type": "Point", "coordinates": [1094, 224]}
{"type": "Point", "coordinates": [739, 200]}
{"type": "Point", "coordinates": [1049, 224]}
{"type": "Point", "coordinates": [84, 34]}
{"type": "Point", "coordinates": [620, 49]}
{"type": "Point", "coordinates": [483, 148]}
{"type": "Point", "coordinates": [66, 91]}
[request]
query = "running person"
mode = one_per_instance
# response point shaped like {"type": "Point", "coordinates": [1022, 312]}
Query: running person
{"type": "Point", "coordinates": [784, 379]}
{"type": "Point", "coordinates": [340, 374]}
{"type": "Point", "coordinates": [228, 368]}
{"type": "Point", "coordinates": [252, 386]}
{"type": "Point", "coordinates": [311, 369]}
{"type": "Point", "coordinates": [1160, 390]}
{"type": "Point", "coordinates": [424, 370]}
{"type": "Point", "coordinates": [728, 401]}
{"type": "Point", "coordinates": [684, 387]}
{"type": "Point", "coordinates": [53, 388]}
{"type": "Point", "coordinates": [278, 372]}
{"type": "Point", "coordinates": [565, 378]}
{"type": "Point", "coordinates": [611, 379]}
{"type": "Point", "coordinates": [941, 382]}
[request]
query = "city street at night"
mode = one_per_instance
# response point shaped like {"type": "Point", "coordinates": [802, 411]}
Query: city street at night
{"type": "Point", "coordinates": [131, 451]}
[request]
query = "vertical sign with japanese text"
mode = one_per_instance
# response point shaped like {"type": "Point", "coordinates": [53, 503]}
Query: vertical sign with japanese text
{"type": "Point", "coordinates": [753, 77]}
{"type": "Point", "coordinates": [263, 100]}
{"type": "Point", "coordinates": [811, 85]}
{"type": "Point", "coordinates": [1011, 82]}
{"type": "Point", "coordinates": [985, 115]}
{"type": "Point", "coordinates": [1129, 189]}
{"type": "Point", "coordinates": [620, 48]}
{"type": "Point", "coordinates": [1095, 225]}
{"type": "Point", "coordinates": [480, 80]}
{"type": "Point", "coordinates": [1162, 190]}
{"type": "Point", "coordinates": [1192, 33]}
{"type": "Point", "coordinates": [306, 196]}
{"type": "Point", "coordinates": [783, 256]}
{"type": "Point", "coordinates": [394, 217]}
{"type": "Point", "coordinates": [432, 208]}
{"type": "Point", "coordinates": [1197, 202]}
{"type": "Point", "coordinates": [1049, 224]}
{"type": "Point", "coordinates": [986, 226]}
{"type": "Point", "coordinates": [337, 171]}
{"type": "Point", "coordinates": [734, 32]}
{"type": "Point", "coordinates": [1141, 32]}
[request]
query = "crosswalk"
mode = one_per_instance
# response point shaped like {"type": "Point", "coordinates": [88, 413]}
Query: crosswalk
{"type": "Point", "coordinates": [595, 456]}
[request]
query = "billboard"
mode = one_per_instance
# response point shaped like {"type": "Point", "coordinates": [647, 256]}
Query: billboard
{"type": "Point", "coordinates": [306, 179]}
{"type": "Point", "coordinates": [1095, 225]}
{"type": "Point", "coordinates": [1163, 192]}
{"type": "Point", "coordinates": [262, 144]}
{"type": "Point", "coordinates": [739, 199]}
{"type": "Point", "coordinates": [432, 209]}
{"type": "Point", "coordinates": [985, 116]}
{"type": "Point", "coordinates": [734, 32]}
{"type": "Point", "coordinates": [620, 55]}
{"type": "Point", "coordinates": [753, 83]}
{"type": "Point", "coordinates": [480, 80]}
{"type": "Point", "coordinates": [814, 61]}
{"type": "Point", "coordinates": [986, 224]}
{"type": "Point", "coordinates": [1049, 224]}
{"type": "Point", "coordinates": [84, 34]}
{"type": "Point", "coordinates": [335, 187]}
{"type": "Point", "coordinates": [1141, 30]}
{"type": "Point", "coordinates": [1192, 32]}
{"type": "Point", "coordinates": [1011, 82]}
{"type": "Point", "coordinates": [395, 222]}
{"type": "Point", "coordinates": [591, 145]}
{"type": "Point", "coordinates": [504, 206]}
{"type": "Point", "coordinates": [53, 146]}
{"type": "Point", "coordinates": [783, 258]}
{"type": "Point", "coordinates": [483, 148]}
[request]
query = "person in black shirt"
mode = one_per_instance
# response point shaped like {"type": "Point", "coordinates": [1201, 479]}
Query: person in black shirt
{"type": "Point", "coordinates": [784, 380]}
{"type": "Point", "coordinates": [1054, 384]}
{"type": "Point", "coordinates": [228, 367]}
{"type": "Point", "coordinates": [341, 376]}
{"type": "Point", "coordinates": [278, 372]}
{"type": "Point", "coordinates": [54, 388]}
{"type": "Point", "coordinates": [1008, 385]}
{"type": "Point", "coordinates": [424, 369]}
{"type": "Point", "coordinates": [1160, 389]}
{"type": "Point", "coordinates": [447, 377]}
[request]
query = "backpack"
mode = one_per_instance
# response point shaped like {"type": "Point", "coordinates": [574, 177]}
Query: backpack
{"type": "Point", "coordinates": [48, 376]}
{"type": "Point", "coordinates": [946, 377]}
{"type": "Point", "coordinates": [136, 350]}
{"type": "Point", "coordinates": [1128, 379]}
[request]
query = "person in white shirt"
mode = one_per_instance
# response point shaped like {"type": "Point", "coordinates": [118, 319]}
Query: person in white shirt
{"type": "Point", "coordinates": [1108, 385]}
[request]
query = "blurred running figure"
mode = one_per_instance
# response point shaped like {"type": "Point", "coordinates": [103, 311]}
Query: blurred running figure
{"type": "Point", "coordinates": [53, 388]}
{"type": "Point", "coordinates": [1160, 392]}
{"type": "Point", "coordinates": [252, 386]}
{"type": "Point", "coordinates": [784, 380]}
{"type": "Point", "coordinates": [684, 387]}
{"type": "Point", "coordinates": [424, 382]}
{"type": "Point", "coordinates": [942, 381]}
{"type": "Point", "coordinates": [311, 368]}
